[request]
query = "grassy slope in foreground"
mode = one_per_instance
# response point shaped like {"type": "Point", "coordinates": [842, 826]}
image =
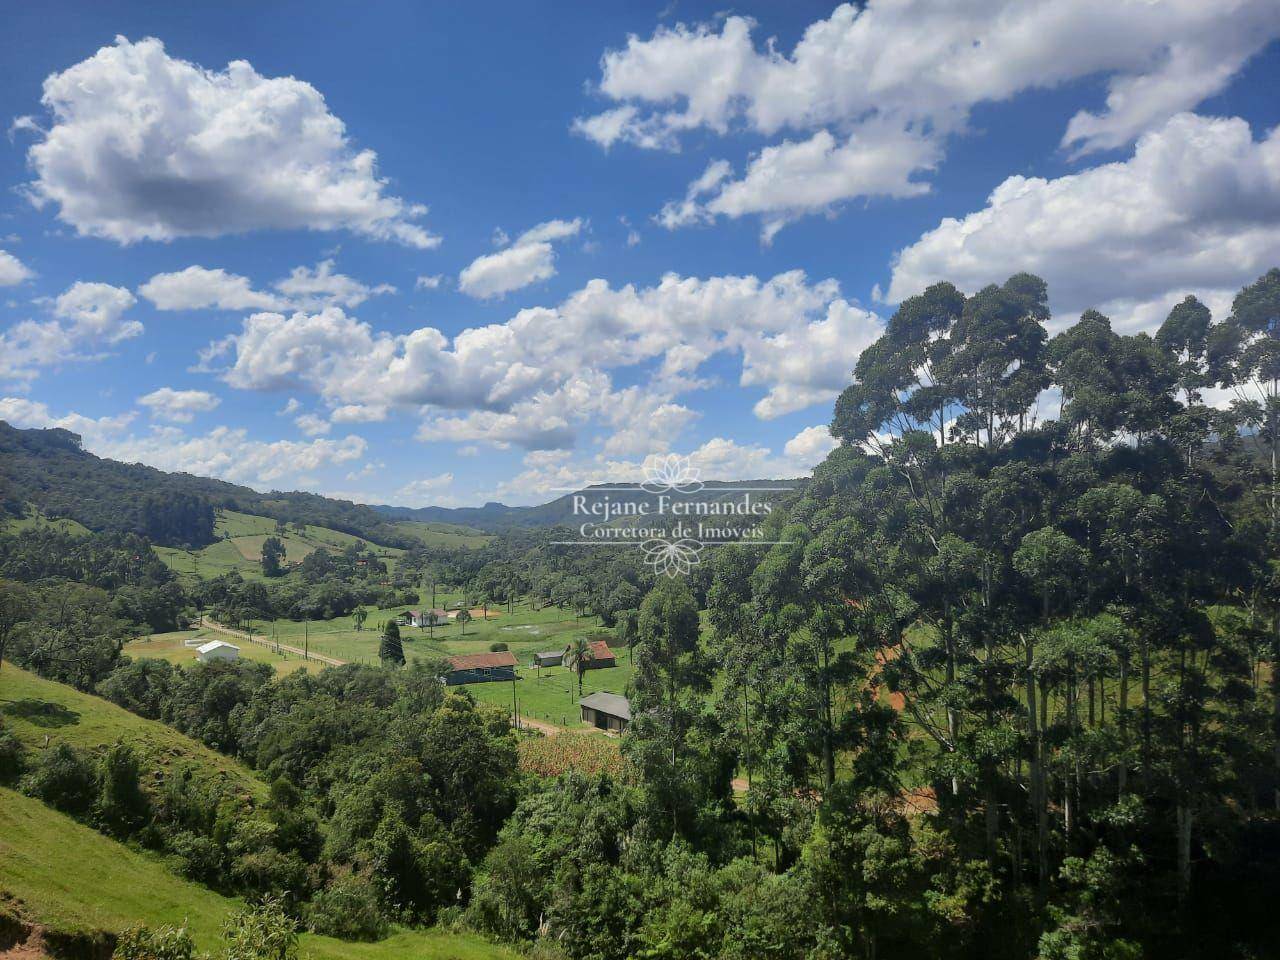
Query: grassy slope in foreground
{"type": "Point", "coordinates": [75, 880]}
{"type": "Point", "coordinates": [34, 708]}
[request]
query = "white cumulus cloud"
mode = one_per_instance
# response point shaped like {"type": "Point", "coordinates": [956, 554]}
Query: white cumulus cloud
{"type": "Point", "coordinates": [1195, 209]}
{"type": "Point", "coordinates": [529, 259]}
{"type": "Point", "coordinates": [86, 318]}
{"type": "Point", "coordinates": [178, 406]}
{"type": "Point", "coordinates": [12, 270]}
{"type": "Point", "coordinates": [143, 146]}
{"type": "Point", "coordinates": [880, 86]}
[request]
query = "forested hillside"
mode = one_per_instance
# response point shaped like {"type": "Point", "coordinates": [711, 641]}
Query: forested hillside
{"type": "Point", "coordinates": [50, 470]}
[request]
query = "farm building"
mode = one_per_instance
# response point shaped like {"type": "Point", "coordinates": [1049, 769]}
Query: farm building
{"type": "Point", "coordinates": [427, 618]}
{"type": "Point", "coordinates": [608, 711]}
{"type": "Point", "coordinates": [601, 656]}
{"type": "Point", "coordinates": [548, 658]}
{"type": "Point", "coordinates": [481, 668]}
{"type": "Point", "coordinates": [217, 650]}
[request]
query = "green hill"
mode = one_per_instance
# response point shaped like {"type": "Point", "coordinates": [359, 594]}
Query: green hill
{"type": "Point", "coordinates": [443, 534]}
{"type": "Point", "coordinates": [49, 471]}
{"type": "Point", "coordinates": [239, 546]}
{"type": "Point", "coordinates": [106, 886]}
{"type": "Point", "coordinates": [44, 713]}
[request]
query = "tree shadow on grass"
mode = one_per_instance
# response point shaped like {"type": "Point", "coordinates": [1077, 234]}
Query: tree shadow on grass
{"type": "Point", "coordinates": [41, 713]}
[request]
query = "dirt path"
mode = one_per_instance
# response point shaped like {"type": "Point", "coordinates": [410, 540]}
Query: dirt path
{"type": "Point", "coordinates": [211, 624]}
{"type": "Point", "coordinates": [547, 729]}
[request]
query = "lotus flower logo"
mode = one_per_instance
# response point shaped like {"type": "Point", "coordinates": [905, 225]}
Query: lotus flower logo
{"type": "Point", "coordinates": [672, 472]}
{"type": "Point", "coordinates": [673, 558]}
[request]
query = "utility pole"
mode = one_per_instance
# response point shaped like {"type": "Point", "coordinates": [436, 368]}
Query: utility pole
{"type": "Point", "coordinates": [306, 639]}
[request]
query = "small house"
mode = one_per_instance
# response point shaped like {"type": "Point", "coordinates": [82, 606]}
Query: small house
{"type": "Point", "coordinates": [217, 650]}
{"type": "Point", "coordinates": [607, 711]}
{"type": "Point", "coordinates": [481, 668]}
{"type": "Point", "coordinates": [548, 658]}
{"type": "Point", "coordinates": [426, 618]}
{"type": "Point", "coordinates": [601, 656]}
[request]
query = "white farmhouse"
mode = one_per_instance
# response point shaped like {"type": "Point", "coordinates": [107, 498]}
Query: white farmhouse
{"type": "Point", "coordinates": [217, 650]}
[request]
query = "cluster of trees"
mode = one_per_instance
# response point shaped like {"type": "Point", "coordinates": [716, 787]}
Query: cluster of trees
{"type": "Point", "coordinates": [1005, 686]}
{"type": "Point", "coordinates": [384, 788]}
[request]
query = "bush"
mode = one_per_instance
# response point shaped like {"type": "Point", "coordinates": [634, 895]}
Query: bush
{"type": "Point", "coordinates": [264, 932]}
{"type": "Point", "coordinates": [12, 757]}
{"type": "Point", "coordinates": [200, 858]}
{"type": "Point", "coordinates": [497, 647]}
{"type": "Point", "coordinates": [123, 808]}
{"type": "Point", "coordinates": [348, 909]}
{"type": "Point", "coordinates": [143, 943]}
{"type": "Point", "coordinates": [63, 778]}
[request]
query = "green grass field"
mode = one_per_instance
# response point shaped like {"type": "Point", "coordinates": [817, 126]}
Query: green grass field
{"type": "Point", "coordinates": [172, 647]}
{"type": "Point", "coordinates": [443, 534]}
{"type": "Point", "coordinates": [524, 630]}
{"type": "Point", "coordinates": [35, 520]}
{"type": "Point", "coordinates": [551, 696]}
{"type": "Point", "coordinates": [75, 880]}
{"type": "Point", "coordinates": [42, 714]}
{"type": "Point", "coordinates": [240, 547]}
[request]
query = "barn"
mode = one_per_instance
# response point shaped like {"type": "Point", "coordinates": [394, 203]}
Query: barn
{"type": "Point", "coordinates": [481, 668]}
{"type": "Point", "coordinates": [608, 711]}
{"type": "Point", "coordinates": [217, 650]}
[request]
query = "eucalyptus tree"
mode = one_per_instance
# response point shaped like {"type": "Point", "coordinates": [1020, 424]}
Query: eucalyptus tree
{"type": "Point", "coordinates": [669, 740]}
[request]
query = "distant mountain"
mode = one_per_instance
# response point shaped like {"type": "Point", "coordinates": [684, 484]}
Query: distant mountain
{"type": "Point", "coordinates": [494, 517]}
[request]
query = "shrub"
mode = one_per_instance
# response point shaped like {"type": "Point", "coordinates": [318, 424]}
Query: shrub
{"type": "Point", "coordinates": [497, 647]}
{"type": "Point", "coordinates": [12, 757]}
{"type": "Point", "coordinates": [122, 806]}
{"type": "Point", "coordinates": [143, 943]}
{"type": "Point", "coordinates": [63, 778]}
{"type": "Point", "coordinates": [348, 909]}
{"type": "Point", "coordinates": [200, 858]}
{"type": "Point", "coordinates": [263, 932]}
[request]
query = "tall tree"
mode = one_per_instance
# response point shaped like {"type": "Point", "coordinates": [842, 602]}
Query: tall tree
{"type": "Point", "coordinates": [390, 649]}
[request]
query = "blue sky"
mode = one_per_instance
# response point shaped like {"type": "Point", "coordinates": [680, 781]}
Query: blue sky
{"type": "Point", "coordinates": [663, 228]}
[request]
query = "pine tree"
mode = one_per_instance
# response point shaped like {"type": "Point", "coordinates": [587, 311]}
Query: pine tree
{"type": "Point", "coordinates": [390, 650]}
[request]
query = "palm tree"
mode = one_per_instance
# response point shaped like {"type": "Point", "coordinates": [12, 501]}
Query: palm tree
{"type": "Point", "coordinates": [464, 616]}
{"type": "Point", "coordinates": [360, 616]}
{"type": "Point", "coordinates": [577, 657]}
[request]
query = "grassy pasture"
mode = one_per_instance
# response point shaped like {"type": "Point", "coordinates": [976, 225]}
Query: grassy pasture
{"type": "Point", "coordinates": [240, 547]}
{"type": "Point", "coordinates": [108, 886]}
{"type": "Point", "coordinates": [42, 714]}
{"type": "Point", "coordinates": [550, 695]}
{"type": "Point", "coordinates": [443, 534]}
{"type": "Point", "coordinates": [35, 520]}
{"type": "Point", "coordinates": [172, 647]}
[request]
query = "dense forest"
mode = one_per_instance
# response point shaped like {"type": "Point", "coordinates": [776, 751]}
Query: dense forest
{"type": "Point", "coordinates": [1005, 686]}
